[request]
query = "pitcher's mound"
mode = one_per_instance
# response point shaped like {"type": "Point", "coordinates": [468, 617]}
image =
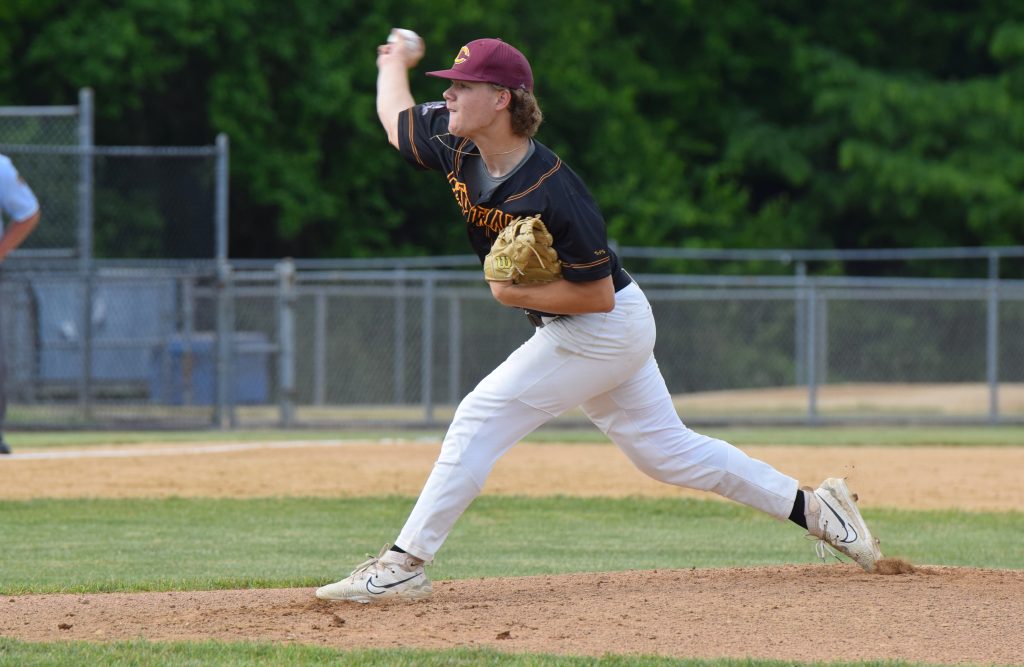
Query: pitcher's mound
{"type": "Point", "coordinates": [805, 613]}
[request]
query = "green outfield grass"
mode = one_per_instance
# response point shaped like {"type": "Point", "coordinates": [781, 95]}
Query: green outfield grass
{"type": "Point", "coordinates": [190, 544]}
{"type": "Point", "coordinates": [825, 435]}
{"type": "Point", "coordinates": [93, 545]}
{"type": "Point", "coordinates": [181, 654]}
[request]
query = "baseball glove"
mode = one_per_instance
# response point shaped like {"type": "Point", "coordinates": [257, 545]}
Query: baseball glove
{"type": "Point", "coordinates": [523, 254]}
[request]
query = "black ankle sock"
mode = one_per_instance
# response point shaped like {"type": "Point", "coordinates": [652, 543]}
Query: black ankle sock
{"type": "Point", "coordinates": [397, 548]}
{"type": "Point", "coordinates": [797, 515]}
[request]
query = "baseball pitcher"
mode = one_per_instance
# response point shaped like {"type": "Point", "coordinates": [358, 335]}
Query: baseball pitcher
{"type": "Point", "coordinates": [542, 241]}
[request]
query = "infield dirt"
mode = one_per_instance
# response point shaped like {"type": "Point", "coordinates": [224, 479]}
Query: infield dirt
{"type": "Point", "coordinates": [806, 612]}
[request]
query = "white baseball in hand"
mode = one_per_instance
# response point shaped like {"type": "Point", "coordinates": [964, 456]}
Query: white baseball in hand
{"type": "Point", "coordinates": [412, 42]}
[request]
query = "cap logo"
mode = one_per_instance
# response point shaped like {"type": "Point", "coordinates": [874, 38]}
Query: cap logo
{"type": "Point", "coordinates": [463, 55]}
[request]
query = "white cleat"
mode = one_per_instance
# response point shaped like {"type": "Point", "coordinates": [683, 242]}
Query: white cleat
{"type": "Point", "coordinates": [832, 516]}
{"type": "Point", "coordinates": [390, 575]}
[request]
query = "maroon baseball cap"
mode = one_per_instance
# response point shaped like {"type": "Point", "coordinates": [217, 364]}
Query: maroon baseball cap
{"type": "Point", "coordinates": [490, 61]}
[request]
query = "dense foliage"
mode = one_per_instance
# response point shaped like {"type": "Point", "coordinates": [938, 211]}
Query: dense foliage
{"type": "Point", "coordinates": [749, 123]}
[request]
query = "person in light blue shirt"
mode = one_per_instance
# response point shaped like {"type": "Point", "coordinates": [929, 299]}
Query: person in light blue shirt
{"type": "Point", "coordinates": [19, 215]}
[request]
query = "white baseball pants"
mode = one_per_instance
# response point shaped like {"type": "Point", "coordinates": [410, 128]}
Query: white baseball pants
{"type": "Point", "coordinates": [603, 362]}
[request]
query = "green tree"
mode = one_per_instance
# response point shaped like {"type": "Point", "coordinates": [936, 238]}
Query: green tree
{"type": "Point", "coordinates": [750, 123]}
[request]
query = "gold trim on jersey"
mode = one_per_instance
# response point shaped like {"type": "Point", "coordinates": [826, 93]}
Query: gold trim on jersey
{"type": "Point", "coordinates": [587, 265]}
{"type": "Point", "coordinates": [412, 139]}
{"type": "Point", "coordinates": [519, 195]}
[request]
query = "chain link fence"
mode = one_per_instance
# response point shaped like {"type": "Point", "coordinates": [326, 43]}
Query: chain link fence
{"type": "Point", "coordinates": [26, 136]}
{"type": "Point", "coordinates": [115, 202]}
{"type": "Point", "coordinates": [124, 310]}
{"type": "Point", "coordinates": [185, 344]}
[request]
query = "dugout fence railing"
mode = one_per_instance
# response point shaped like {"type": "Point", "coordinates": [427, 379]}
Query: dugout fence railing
{"type": "Point", "coordinates": [209, 344]}
{"type": "Point", "coordinates": [128, 336]}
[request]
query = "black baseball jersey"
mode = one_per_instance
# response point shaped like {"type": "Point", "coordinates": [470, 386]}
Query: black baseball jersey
{"type": "Point", "coordinates": [543, 185]}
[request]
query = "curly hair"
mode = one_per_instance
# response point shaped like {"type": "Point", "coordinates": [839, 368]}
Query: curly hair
{"type": "Point", "coordinates": [526, 113]}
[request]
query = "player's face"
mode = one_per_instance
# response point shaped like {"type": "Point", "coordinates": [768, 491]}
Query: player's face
{"type": "Point", "coordinates": [472, 107]}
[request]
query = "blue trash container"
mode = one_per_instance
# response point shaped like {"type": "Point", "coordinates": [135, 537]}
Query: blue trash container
{"type": "Point", "coordinates": [183, 370]}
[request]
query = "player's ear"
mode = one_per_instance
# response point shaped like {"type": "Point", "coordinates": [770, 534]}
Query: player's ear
{"type": "Point", "coordinates": [504, 99]}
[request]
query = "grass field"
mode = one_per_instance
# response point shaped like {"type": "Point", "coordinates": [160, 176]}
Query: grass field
{"type": "Point", "coordinates": [196, 544]}
{"type": "Point", "coordinates": [896, 436]}
{"type": "Point", "coordinates": [89, 545]}
{"type": "Point", "coordinates": [178, 654]}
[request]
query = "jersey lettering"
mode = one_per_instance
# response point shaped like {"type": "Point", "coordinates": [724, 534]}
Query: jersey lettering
{"type": "Point", "coordinates": [543, 186]}
{"type": "Point", "coordinates": [479, 216]}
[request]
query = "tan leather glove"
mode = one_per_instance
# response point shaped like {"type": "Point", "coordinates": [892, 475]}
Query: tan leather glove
{"type": "Point", "coordinates": [523, 253]}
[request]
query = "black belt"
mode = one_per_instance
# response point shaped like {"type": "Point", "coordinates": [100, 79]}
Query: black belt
{"type": "Point", "coordinates": [619, 280]}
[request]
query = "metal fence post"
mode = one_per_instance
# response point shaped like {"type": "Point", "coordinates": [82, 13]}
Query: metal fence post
{"type": "Point", "coordinates": [427, 352]}
{"type": "Point", "coordinates": [220, 220]}
{"type": "Point", "coordinates": [821, 324]}
{"type": "Point", "coordinates": [320, 348]}
{"type": "Point", "coordinates": [800, 324]}
{"type": "Point", "coordinates": [85, 243]}
{"type": "Point", "coordinates": [992, 338]}
{"type": "Point", "coordinates": [399, 336]}
{"type": "Point", "coordinates": [188, 318]}
{"type": "Point", "coordinates": [85, 174]}
{"type": "Point", "coordinates": [812, 340]}
{"type": "Point", "coordinates": [454, 348]}
{"type": "Point", "coordinates": [286, 340]}
{"type": "Point", "coordinates": [224, 413]}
